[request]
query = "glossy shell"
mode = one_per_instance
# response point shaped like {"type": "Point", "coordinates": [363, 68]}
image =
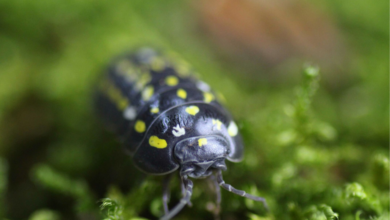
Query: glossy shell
{"type": "Point", "coordinates": [152, 101]}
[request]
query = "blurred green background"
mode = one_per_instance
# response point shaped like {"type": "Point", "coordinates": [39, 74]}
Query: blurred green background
{"type": "Point", "coordinates": [317, 147]}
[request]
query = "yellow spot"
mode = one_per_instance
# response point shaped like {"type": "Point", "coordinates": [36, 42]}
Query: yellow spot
{"type": "Point", "coordinates": [171, 80]}
{"type": "Point", "coordinates": [192, 110]}
{"type": "Point", "coordinates": [127, 69]}
{"type": "Point", "coordinates": [157, 64]}
{"type": "Point", "coordinates": [208, 97]}
{"type": "Point", "coordinates": [218, 123]}
{"type": "Point", "coordinates": [154, 110]}
{"type": "Point", "coordinates": [144, 79]}
{"type": "Point", "coordinates": [154, 141]}
{"type": "Point", "coordinates": [232, 129]}
{"type": "Point", "coordinates": [123, 103]}
{"type": "Point", "coordinates": [182, 93]}
{"type": "Point", "coordinates": [134, 73]}
{"type": "Point", "coordinates": [115, 95]}
{"type": "Point", "coordinates": [147, 93]}
{"type": "Point", "coordinates": [130, 76]}
{"type": "Point", "coordinates": [202, 141]}
{"type": "Point", "coordinates": [183, 69]}
{"type": "Point", "coordinates": [139, 126]}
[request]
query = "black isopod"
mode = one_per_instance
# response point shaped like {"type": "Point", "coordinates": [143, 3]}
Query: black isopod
{"type": "Point", "coordinates": [168, 120]}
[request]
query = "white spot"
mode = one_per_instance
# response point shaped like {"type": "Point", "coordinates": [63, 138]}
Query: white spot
{"type": "Point", "coordinates": [178, 131]}
{"type": "Point", "coordinates": [130, 113]}
{"type": "Point", "coordinates": [232, 129]}
{"type": "Point", "coordinates": [203, 86]}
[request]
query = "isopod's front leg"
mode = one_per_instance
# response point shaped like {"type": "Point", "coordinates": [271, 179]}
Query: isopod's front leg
{"type": "Point", "coordinates": [166, 192]}
{"type": "Point", "coordinates": [183, 201]}
{"type": "Point", "coordinates": [217, 189]}
{"type": "Point", "coordinates": [242, 193]}
{"type": "Point", "coordinates": [183, 192]}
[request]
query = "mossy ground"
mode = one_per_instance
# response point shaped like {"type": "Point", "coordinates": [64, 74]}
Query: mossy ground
{"type": "Point", "coordinates": [314, 151]}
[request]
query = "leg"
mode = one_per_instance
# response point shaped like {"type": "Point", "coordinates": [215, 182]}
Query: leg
{"type": "Point", "coordinates": [242, 193]}
{"type": "Point", "coordinates": [183, 191]}
{"type": "Point", "coordinates": [218, 198]}
{"type": "Point", "coordinates": [186, 198]}
{"type": "Point", "coordinates": [166, 192]}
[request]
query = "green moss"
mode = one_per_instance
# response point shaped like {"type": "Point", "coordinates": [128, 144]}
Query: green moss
{"type": "Point", "coordinates": [61, 183]}
{"type": "Point", "coordinates": [111, 209]}
{"type": "Point", "coordinates": [322, 212]}
{"type": "Point", "coordinates": [45, 214]}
